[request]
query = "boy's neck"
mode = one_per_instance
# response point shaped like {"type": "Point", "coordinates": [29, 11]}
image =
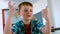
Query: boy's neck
{"type": "Point", "coordinates": [26, 21]}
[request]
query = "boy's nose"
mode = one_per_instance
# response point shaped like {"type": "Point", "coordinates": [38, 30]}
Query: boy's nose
{"type": "Point", "coordinates": [28, 12]}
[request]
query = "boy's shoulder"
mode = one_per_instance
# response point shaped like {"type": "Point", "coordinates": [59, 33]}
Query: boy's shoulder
{"type": "Point", "coordinates": [18, 23]}
{"type": "Point", "coordinates": [33, 22]}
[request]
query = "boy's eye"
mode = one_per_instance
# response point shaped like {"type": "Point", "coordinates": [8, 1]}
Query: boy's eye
{"type": "Point", "coordinates": [25, 10]}
{"type": "Point", "coordinates": [31, 11]}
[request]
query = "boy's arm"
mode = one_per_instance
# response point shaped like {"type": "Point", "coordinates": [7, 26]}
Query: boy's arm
{"type": "Point", "coordinates": [8, 25]}
{"type": "Point", "coordinates": [47, 28]}
{"type": "Point", "coordinates": [7, 28]}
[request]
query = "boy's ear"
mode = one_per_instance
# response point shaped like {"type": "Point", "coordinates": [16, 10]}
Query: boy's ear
{"type": "Point", "coordinates": [18, 12]}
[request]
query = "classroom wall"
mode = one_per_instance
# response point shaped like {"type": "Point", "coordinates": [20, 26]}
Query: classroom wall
{"type": "Point", "coordinates": [54, 7]}
{"type": "Point", "coordinates": [1, 25]}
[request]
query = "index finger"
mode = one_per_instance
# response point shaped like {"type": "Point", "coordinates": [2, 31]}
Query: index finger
{"type": "Point", "coordinates": [9, 2]}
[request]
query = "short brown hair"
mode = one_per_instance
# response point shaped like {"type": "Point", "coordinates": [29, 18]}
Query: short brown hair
{"type": "Point", "coordinates": [24, 3]}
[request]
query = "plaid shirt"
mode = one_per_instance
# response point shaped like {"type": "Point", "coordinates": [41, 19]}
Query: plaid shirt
{"type": "Point", "coordinates": [19, 27]}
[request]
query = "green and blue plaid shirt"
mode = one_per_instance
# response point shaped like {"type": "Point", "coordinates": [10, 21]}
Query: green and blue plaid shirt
{"type": "Point", "coordinates": [19, 28]}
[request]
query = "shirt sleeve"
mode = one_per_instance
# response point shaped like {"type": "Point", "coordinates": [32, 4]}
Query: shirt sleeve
{"type": "Point", "coordinates": [39, 25]}
{"type": "Point", "coordinates": [14, 28]}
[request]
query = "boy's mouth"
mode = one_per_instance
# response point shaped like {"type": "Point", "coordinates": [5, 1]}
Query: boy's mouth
{"type": "Point", "coordinates": [29, 15]}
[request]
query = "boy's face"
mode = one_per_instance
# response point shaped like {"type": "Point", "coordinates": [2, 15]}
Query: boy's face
{"type": "Point", "coordinates": [26, 12]}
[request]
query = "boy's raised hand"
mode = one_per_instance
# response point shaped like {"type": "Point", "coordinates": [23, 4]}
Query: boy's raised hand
{"type": "Point", "coordinates": [45, 12]}
{"type": "Point", "coordinates": [8, 25]}
{"type": "Point", "coordinates": [11, 7]}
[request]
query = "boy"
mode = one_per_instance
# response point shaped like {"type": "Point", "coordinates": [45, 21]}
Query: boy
{"type": "Point", "coordinates": [26, 25]}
